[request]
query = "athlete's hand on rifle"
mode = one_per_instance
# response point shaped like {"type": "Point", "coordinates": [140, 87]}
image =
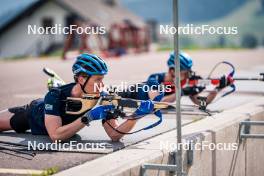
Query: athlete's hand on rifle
{"type": "Point", "coordinates": [104, 93]}
{"type": "Point", "coordinates": [98, 112]}
{"type": "Point", "coordinates": [147, 107]}
{"type": "Point", "coordinates": [224, 82]}
{"type": "Point", "coordinates": [194, 90]}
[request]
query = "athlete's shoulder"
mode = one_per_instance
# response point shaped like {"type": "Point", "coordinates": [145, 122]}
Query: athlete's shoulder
{"type": "Point", "coordinates": [64, 90]}
{"type": "Point", "coordinates": [58, 91]}
{"type": "Point", "coordinates": [66, 86]}
{"type": "Point", "coordinates": [53, 99]}
{"type": "Point", "coordinates": [159, 77]}
{"type": "Point", "coordinates": [157, 74]}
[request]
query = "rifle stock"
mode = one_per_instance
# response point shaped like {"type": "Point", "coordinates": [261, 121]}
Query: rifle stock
{"type": "Point", "coordinates": [76, 106]}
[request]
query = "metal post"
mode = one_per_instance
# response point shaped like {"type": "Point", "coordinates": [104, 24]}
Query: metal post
{"type": "Point", "coordinates": [178, 158]}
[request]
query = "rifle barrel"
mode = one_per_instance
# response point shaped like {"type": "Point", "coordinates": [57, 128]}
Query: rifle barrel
{"type": "Point", "coordinates": [239, 79]}
{"type": "Point", "coordinates": [248, 79]}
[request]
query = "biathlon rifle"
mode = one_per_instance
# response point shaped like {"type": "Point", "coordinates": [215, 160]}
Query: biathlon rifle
{"type": "Point", "coordinates": [80, 106]}
{"type": "Point", "coordinates": [196, 80]}
{"type": "Point", "coordinates": [76, 106]}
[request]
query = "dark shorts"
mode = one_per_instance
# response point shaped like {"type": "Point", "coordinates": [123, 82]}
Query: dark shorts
{"type": "Point", "coordinates": [20, 121]}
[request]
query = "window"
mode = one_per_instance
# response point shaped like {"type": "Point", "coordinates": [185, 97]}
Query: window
{"type": "Point", "coordinates": [47, 22]}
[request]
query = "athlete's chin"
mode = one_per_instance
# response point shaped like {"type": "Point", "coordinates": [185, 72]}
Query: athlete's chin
{"type": "Point", "coordinates": [94, 92]}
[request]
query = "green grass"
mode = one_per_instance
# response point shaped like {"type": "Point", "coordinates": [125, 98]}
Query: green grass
{"type": "Point", "coordinates": [47, 172]}
{"type": "Point", "coordinates": [196, 47]}
{"type": "Point", "coordinates": [16, 58]}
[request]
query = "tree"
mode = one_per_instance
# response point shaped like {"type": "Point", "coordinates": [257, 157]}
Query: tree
{"type": "Point", "coordinates": [262, 5]}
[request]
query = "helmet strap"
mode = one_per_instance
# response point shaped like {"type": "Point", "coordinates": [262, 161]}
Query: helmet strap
{"type": "Point", "coordinates": [83, 86]}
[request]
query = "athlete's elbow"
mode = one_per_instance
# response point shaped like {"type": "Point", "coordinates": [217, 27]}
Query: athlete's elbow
{"type": "Point", "coordinates": [115, 137]}
{"type": "Point", "coordinates": [56, 138]}
{"type": "Point", "coordinates": [53, 138]}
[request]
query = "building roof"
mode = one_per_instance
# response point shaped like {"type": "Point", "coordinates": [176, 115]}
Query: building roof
{"type": "Point", "coordinates": [13, 11]}
{"type": "Point", "coordinates": [102, 12]}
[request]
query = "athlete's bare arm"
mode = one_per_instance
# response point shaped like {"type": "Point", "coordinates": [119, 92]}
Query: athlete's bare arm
{"type": "Point", "coordinates": [58, 132]}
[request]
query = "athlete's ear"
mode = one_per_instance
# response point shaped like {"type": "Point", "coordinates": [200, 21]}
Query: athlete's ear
{"type": "Point", "coordinates": [171, 70]}
{"type": "Point", "coordinates": [81, 79]}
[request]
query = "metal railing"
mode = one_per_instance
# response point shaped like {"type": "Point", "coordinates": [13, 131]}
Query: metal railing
{"type": "Point", "coordinates": [244, 129]}
{"type": "Point", "coordinates": [165, 167]}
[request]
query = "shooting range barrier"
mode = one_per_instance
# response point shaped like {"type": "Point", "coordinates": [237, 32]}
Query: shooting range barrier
{"type": "Point", "coordinates": [226, 127]}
